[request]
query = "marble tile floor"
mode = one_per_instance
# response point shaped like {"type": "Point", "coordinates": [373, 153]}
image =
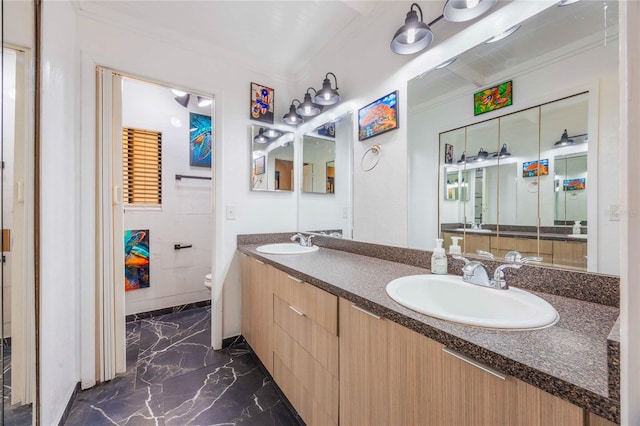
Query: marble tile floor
{"type": "Point", "coordinates": [16, 415]}
{"type": "Point", "coordinates": [174, 377]}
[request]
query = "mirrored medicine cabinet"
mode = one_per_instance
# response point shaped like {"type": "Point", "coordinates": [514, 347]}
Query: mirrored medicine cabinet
{"type": "Point", "coordinates": [501, 176]}
{"type": "Point", "coordinates": [272, 159]}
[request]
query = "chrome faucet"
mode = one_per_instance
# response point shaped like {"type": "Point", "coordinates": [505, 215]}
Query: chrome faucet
{"type": "Point", "coordinates": [304, 241]}
{"type": "Point", "coordinates": [475, 272]}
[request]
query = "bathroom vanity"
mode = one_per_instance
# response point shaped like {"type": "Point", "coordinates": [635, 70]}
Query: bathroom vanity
{"type": "Point", "coordinates": [344, 352]}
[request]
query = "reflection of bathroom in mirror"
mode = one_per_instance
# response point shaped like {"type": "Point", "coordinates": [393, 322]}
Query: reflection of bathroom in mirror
{"type": "Point", "coordinates": [318, 163]}
{"type": "Point", "coordinates": [272, 155]}
{"type": "Point", "coordinates": [508, 162]}
{"type": "Point", "coordinates": [325, 199]}
{"type": "Point", "coordinates": [571, 87]}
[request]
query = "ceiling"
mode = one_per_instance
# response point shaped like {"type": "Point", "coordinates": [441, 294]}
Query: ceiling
{"type": "Point", "coordinates": [283, 35]}
{"type": "Point", "coordinates": [546, 37]}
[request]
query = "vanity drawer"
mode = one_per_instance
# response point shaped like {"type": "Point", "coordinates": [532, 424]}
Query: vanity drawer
{"type": "Point", "coordinates": [319, 342]}
{"type": "Point", "coordinates": [311, 388]}
{"type": "Point", "coordinates": [318, 305]}
{"type": "Point", "coordinates": [526, 246]}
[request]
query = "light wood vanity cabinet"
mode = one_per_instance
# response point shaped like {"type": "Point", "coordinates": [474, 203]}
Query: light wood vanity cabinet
{"type": "Point", "coordinates": [570, 253]}
{"type": "Point", "coordinates": [377, 372]}
{"type": "Point", "coordinates": [392, 375]}
{"type": "Point", "coordinates": [306, 348]}
{"type": "Point", "coordinates": [257, 308]}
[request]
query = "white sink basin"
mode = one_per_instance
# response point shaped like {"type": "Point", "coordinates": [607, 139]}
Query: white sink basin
{"type": "Point", "coordinates": [450, 298]}
{"type": "Point", "coordinates": [286, 248]}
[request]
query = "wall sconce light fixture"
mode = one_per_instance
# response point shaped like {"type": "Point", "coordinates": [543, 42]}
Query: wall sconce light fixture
{"type": "Point", "coordinates": [183, 100]}
{"type": "Point", "coordinates": [203, 102]}
{"type": "Point", "coordinates": [308, 108]}
{"type": "Point", "coordinates": [292, 117]}
{"type": "Point", "coordinates": [564, 140]}
{"type": "Point", "coordinates": [327, 95]}
{"type": "Point", "coordinates": [466, 10]}
{"type": "Point", "coordinates": [414, 36]}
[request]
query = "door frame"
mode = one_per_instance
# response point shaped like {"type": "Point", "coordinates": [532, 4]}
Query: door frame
{"type": "Point", "coordinates": [103, 349]}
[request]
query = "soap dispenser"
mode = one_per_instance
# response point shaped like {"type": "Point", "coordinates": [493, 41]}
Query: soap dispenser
{"type": "Point", "coordinates": [576, 228]}
{"type": "Point", "coordinates": [439, 259]}
{"type": "Point", "coordinates": [454, 248]}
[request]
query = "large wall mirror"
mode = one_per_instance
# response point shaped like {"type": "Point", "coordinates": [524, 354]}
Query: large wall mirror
{"type": "Point", "coordinates": [272, 155]}
{"type": "Point", "coordinates": [563, 65]}
{"type": "Point", "coordinates": [325, 197]}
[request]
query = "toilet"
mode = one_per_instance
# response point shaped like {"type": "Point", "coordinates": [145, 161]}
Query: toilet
{"type": "Point", "coordinates": [207, 281]}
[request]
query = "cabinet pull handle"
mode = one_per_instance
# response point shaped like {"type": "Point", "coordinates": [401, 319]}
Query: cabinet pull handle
{"type": "Point", "coordinates": [475, 363]}
{"type": "Point", "coordinates": [295, 279]}
{"type": "Point", "coordinates": [364, 311]}
{"type": "Point", "coordinates": [296, 311]}
{"type": "Point", "coordinates": [259, 261]}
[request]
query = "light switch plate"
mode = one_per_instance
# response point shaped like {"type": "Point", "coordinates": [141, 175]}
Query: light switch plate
{"type": "Point", "coordinates": [231, 212]}
{"type": "Point", "coordinates": [614, 212]}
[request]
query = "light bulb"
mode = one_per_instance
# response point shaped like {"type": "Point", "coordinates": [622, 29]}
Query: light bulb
{"type": "Point", "coordinates": [307, 110]}
{"type": "Point", "coordinates": [327, 96]}
{"type": "Point", "coordinates": [178, 92]}
{"type": "Point", "coordinates": [411, 36]}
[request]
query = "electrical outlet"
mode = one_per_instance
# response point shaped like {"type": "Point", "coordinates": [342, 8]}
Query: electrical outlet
{"type": "Point", "coordinates": [345, 213]}
{"type": "Point", "coordinates": [231, 212]}
{"type": "Point", "coordinates": [614, 212]}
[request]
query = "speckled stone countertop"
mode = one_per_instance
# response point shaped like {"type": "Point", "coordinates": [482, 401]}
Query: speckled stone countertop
{"type": "Point", "coordinates": [569, 359]}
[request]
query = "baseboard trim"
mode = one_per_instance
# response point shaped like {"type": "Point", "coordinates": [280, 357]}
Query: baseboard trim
{"type": "Point", "coordinates": [164, 311]}
{"type": "Point", "coordinates": [67, 410]}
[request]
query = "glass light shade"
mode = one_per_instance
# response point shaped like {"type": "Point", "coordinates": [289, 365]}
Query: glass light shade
{"type": "Point", "coordinates": [260, 137]}
{"type": "Point", "coordinates": [183, 100]}
{"type": "Point", "coordinates": [503, 152]}
{"type": "Point", "coordinates": [272, 133]}
{"type": "Point", "coordinates": [413, 36]}
{"type": "Point", "coordinates": [292, 117]}
{"type": "Point", "coordinates": [482, 155]}
{"type": "Point", "coordinates": [327, 95]}
{"type": "Point", "coordinates": [308, 108]}
{"type": "Point", "coordinates": [466, 10]}
{"type": "Point", "coordinates": [564, 140]}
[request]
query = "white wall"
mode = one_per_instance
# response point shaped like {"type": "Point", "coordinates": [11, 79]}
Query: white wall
{"type": "Point", "coordinates": [597, 76]}
{"type": "Point", "coordinates": [60, 239]}
{"type": "Point", "coordinates": [176, 276]}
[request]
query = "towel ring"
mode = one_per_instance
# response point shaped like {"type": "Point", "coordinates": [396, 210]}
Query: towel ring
{"type": "Point", "coordinates": [375, 150]}
{"type": "Point", "coordinates": [533, 187]}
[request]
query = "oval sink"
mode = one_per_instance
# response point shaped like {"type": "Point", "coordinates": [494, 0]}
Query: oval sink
{"type": "Point", "coordinates": [450, 298]}
{"type": "Point", "coordinates": [286, 248]}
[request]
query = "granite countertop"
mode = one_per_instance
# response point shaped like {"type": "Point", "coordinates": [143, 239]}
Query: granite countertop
{"type": "Point", "coordinates": [568, 359]}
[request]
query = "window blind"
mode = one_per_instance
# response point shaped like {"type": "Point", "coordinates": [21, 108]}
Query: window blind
{"type": "Point", "coordinates": [142, 166]}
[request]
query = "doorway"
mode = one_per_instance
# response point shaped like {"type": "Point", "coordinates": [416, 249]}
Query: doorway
{"type": "Point", "coordinates": [17, 302]}
{"type": "Point", "coordinates": [156, 205]}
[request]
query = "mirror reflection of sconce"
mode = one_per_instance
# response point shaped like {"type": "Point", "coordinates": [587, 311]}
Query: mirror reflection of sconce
{"type": "Point", "coordinates": [566, 140]}
{"type": "Point", "coordinates": [482, 155]}
{"type": "Point", "coordinates": [463, 158]}
{"type": "Point", "coordinates": [503, 152]}
{"type": "Point", "coordinates": [266, 135]}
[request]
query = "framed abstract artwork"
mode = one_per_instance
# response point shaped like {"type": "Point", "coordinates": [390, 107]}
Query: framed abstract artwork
{"type": "Point", "coordinates": [493, 98]}
{"type": "Point", "coordinates": [535, 168]}
{"type": "Point", "coordinates": [136, 259]}
{"type": "Point", "coordinates": [200, 140]}
{"type": "Point", "coordinates": [261, 103]}
{"type": "Point", "coordinates": [378, 117]}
